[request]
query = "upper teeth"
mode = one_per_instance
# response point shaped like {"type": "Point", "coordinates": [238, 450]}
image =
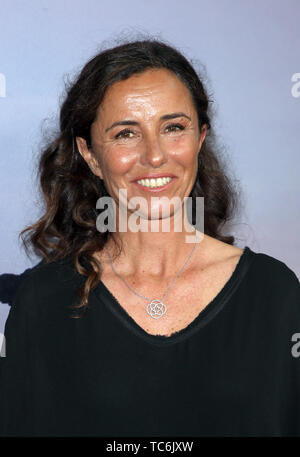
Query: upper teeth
{"type": "Point", "coordinates": [154, 182]}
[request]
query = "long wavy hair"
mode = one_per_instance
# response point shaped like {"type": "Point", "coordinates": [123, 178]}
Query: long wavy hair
{"type": "Point", "coordinates": [69, 188]}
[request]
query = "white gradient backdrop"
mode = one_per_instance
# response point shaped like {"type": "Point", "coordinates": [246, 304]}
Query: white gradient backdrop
{"type": "Point", "coordinates": [250, 49]}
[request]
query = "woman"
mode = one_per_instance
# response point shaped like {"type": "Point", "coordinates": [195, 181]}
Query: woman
{"type": "Point", "coordinates": [139, 333]}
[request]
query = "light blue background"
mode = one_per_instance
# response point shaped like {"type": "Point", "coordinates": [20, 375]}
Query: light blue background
{"type": "Point", "coordinates": [250, 49]}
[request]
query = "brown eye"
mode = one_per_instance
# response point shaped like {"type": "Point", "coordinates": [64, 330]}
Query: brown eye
{"type": "Point", "coordinates": [175, 127]}
{"type": "Point", "coordinates": [126, 133]}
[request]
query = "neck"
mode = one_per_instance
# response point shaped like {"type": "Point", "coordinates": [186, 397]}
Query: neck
{"type": "Point", "coordinates": [158, 254]}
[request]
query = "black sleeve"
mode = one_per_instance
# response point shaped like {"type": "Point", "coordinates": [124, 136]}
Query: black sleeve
{"type": "Point", "coordinates": [16, 367]}
{"type": "Point", "coordinates": [9, 284]}
{"type": "Point", "coordinates": [290, 381]}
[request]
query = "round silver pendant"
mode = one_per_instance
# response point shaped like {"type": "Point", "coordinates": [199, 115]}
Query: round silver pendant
{"type": "Point", "coordinates": [156, 309]}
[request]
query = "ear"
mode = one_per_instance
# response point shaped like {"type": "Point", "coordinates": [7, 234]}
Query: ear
{"type": "Point", "coordinates": [88, 155]}
{"type": "Point", "coordinates": [202, 135]}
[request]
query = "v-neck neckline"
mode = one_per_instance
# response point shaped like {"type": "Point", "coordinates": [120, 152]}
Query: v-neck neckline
{"type": "Point", "coordinates": [204, 316]}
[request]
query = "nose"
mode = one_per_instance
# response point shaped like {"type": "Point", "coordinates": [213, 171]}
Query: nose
{"type": "Point", "coordinates": [153, 154]}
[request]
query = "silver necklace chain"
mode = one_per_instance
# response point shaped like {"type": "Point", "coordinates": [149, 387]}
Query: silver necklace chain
{"type": "Point", "coordinates": [155, 308]}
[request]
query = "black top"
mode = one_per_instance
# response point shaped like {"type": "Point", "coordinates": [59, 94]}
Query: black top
{"type": "Point", "coordinates": [234, 371]}
{"type": "Point", "coordinates": [9, 283]}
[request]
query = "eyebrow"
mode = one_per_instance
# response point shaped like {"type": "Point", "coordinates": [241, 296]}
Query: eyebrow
{"type": "Point", "coordinates": [163, 118]}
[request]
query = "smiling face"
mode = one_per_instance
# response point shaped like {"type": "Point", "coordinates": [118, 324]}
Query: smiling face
{"type": "Point", "coordinates": [146, 126]}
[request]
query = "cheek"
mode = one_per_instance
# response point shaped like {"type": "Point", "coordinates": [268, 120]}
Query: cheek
{"type": "Point", "coordinates": [183, 149]}
{"type": "Point", "coordinates": [118, 161]}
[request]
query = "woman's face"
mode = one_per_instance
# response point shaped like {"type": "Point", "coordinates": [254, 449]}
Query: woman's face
{"type": "Point", "coordinates": [146, 126]}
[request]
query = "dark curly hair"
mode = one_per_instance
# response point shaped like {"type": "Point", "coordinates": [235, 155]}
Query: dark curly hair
{"type": "Point", "coordinates": [70, 189]}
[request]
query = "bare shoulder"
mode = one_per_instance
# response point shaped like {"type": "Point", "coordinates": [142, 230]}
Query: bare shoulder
{"type": "Point", "coordinates": [214, 252]}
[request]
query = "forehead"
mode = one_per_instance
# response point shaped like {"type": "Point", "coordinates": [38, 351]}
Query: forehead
{"type": "Point", "coordinates": [154, 89]}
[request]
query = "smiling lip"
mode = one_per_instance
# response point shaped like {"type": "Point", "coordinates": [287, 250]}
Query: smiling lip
{"type": "Point", "coordinates": [155, 189]}
{"type": "Point", "coordinates": [160, 175]}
